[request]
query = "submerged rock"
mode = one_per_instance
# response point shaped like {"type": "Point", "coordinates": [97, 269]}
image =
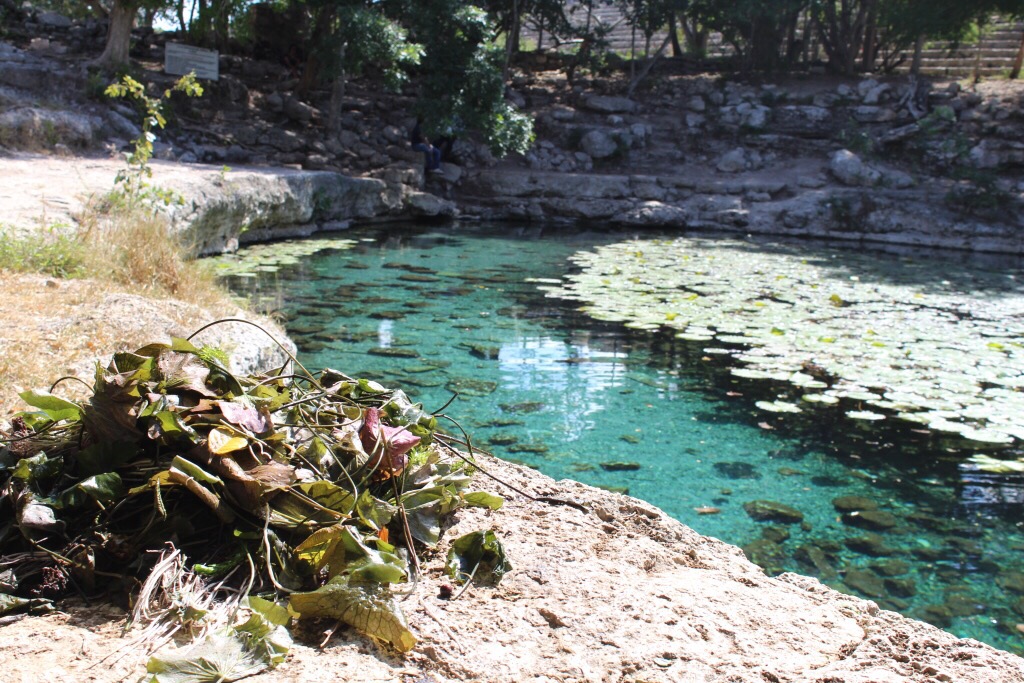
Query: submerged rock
{"type": "Point", "coordinates": [737, 470]}
{"type": "Point", "coordinates": [771, 511]}
{"type": "Point", "coordinates": [766, 554]}
{"type": "Point", "coordinates": [617, 466]}
{"type": "Point", "coordinates": [814, 557]}
{"type": "Point", "coordinates": [865, 583]}
{"type": "Point", "coordinates": [875, 520]}
{"type": "Point", "coordinates": [471, 387]}
{"type": "Point", "coordinates": [853, 503]}
{"type": "Point", "coordinates": [393, 352]}
{"type": "Point", "coordinates": [870, 544]}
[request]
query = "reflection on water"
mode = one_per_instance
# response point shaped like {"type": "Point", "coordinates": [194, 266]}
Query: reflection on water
{"type": "Point", "coordinates": [885, 513]}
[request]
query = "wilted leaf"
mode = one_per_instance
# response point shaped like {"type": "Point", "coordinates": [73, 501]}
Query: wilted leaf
{"type": "Point", "coordinates": [478, 554]}
{"type": "Point", "coordinates": [339, 548]}
{"type": "Point", "coordinates": [219, 658]}
{"type": "Point", "coordinates": [245, 416]}
{"type": "Point", "coordinates": [220, 442]}
{"type": "Point", "coordinates": [371, 608]}
{"type": "Point", "coordinates": [266, 629]}
{"type": "Point", "coordinates": [11, 603]}
{"type": "Point", "coordinates": [311, 504]}
{"type": "Point", "coordinates": [374, 512]}
{"type": "Point", "coordinates": [183, 372]}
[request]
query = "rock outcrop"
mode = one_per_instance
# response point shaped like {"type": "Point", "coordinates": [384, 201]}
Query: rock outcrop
{"type": "Point", "coordinates": [216, 209]}
{"type": "Point", "coordinates": [615, 591]}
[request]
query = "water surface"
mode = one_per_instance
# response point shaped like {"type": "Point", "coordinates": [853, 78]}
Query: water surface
{"type": "Point", "coordinates": [459, 310]}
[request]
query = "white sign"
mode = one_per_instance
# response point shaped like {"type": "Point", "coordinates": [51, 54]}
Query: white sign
{"type": "Point", "coordinates": [182, 59]}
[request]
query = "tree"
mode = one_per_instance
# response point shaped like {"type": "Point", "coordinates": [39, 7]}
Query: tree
{"type": "Point", "coordinates": [122, 16]}
{"type": "Point", "coordinates": [760, 30]}
{"type": "Point", "coordinates": [462, 74]}
{"type": "Point", "coordinates": [362, 35]}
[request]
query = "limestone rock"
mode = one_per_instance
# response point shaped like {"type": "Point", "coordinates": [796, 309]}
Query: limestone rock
{"type": "Point", "coordinates": [747, 115]}
{"type": "Point", "coordinates": [53, 20]}
{"type": "Point", "coordinates": [654, 214]}
{"type": "Point", "coordinates": [803, 121]}
{"type": "Point", "coordinates": [848, 169]}
{"type": "Point", "coordinates": [606, 104]}
{"type": "Point", "coordinates": [34, 127]}
{"type": "Point", "coordinates": [598, 144]}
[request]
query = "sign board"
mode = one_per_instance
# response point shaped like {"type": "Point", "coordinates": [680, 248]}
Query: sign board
{"type": "Point", "coordinates": [182, 59]}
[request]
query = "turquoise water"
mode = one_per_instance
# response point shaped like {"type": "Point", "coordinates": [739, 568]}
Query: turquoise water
{"type": "Point", "coordinates": [450, 310]}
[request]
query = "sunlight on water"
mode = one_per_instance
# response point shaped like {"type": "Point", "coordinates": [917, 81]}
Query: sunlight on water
{"type": "Point", "coordinates": [886, 513]}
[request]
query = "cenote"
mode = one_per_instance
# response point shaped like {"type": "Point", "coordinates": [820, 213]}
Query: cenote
{"type": "Point", "coordinates": [888, 509]}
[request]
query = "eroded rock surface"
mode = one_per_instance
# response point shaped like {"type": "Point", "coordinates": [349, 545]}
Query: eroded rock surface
{"type": "Point", "coordinates": [619, 592]}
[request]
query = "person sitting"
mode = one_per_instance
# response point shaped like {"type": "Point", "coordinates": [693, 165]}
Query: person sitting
{"type": "Point", "coordinates": [431, 154]}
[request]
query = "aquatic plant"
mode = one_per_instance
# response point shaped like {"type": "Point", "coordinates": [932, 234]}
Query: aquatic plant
{"type": "Point", "coordinates": [313, 491]}
{"type": "Point", "coordinates": [878, 339]}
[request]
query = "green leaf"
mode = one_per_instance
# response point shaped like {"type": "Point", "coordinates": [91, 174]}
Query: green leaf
{"type": "Point", "coordinates": [483, 499]}
{"type": "Point", "coordinates": [56, 408]}
{"type": "Point", "coordinates": [338, 548]}
{"type": "Point", "coordinates": [374, 512]}
{"type": "Point", "coordinates": [104, 457]}
{"type": "Point", "coordinates": [312, 504]}
{"type": "Point", "coordinates": [479, 555]}
{"type": "Point", "coordinates": [103, 488]}
{"type": "Point", "coordinates": [371, 608]}
{"type": "Point", "coordinates": [38, 468]}
{"type": "Point", "coordinates": [10, 603]}
{"type": "Point", "coordinates": [266, 629]}
{"type": "Point", "coordinates": [194, 471]}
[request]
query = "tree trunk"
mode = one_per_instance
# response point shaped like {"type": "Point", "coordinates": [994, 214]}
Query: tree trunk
{"type": "Point", "coordinates": [179, 9]}
{"type": "Point", "coordinates": [119, 34]}
{"type": "Point", "coordinates": [870, 39]}
{"type": "Point", "coordinates": [337, 97]}
{"type": "Point", "coordinates": [677, 49]}
{"type": "Point", "coordinates": [915, 65]}
{"type": "Point", "coordinates": [1019, 61]}
{"type": "Point", "coordinates": [511, 40]}
{"type": "Point", "coordinates": [636, 80]}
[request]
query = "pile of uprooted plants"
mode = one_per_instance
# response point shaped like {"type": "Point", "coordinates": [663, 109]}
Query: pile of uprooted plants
{"type": "Point", "coordinates": [229, 507]}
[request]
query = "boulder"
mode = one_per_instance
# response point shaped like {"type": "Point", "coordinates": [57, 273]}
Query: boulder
{"type": "Point", "coordinates": [803, 121]}
{"type": "Point", "coordinates": [610, 105]}
{"type": "Point", "coordinates": [53, 20]}
{"type": "Point", "coordinates": [848, 169]}
{"type": "Point", "coordinates": [654, 214]}
{"type": "Point", "coordinates": [34, 127]}
{"type": "Point", "coordinates": [746, 115]}
{"type": "Point", "coordinates": [598, 144]}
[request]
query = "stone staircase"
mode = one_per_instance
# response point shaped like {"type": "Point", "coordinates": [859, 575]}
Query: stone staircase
{"type": "Point", "coordinates": [990, 57]}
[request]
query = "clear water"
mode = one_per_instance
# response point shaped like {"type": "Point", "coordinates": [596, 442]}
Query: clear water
{"type": "Point", "coordinates": [542, 384]}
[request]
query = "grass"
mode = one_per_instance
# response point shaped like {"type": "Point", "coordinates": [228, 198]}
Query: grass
{"type": "Point", "coordinates": [54, 284]}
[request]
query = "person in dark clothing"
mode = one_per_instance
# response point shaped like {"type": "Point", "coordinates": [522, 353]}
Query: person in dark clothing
{"type": "Point", "coordinates": [431, 154]}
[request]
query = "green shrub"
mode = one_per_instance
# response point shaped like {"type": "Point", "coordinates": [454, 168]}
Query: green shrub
{"type": "Point", "coordinates": [56, 251]}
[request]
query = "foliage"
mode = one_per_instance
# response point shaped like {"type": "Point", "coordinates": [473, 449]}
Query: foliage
{"type": "Point", "coordinates": [54, 251]}
{"type": "Point", "coordinates": [279, 484]}
{"type": "Point", "coordinates": [758, 29]}
{"type": "Point", "coordinates": [463, 87]}
{"type": "Point", "coordinates": [133, 179]}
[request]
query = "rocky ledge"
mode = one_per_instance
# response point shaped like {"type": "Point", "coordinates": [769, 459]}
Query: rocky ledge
{"type": "Point", "coordinates": [216, 209]}
{"type": "Point", "coordinates": [611, 590]}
